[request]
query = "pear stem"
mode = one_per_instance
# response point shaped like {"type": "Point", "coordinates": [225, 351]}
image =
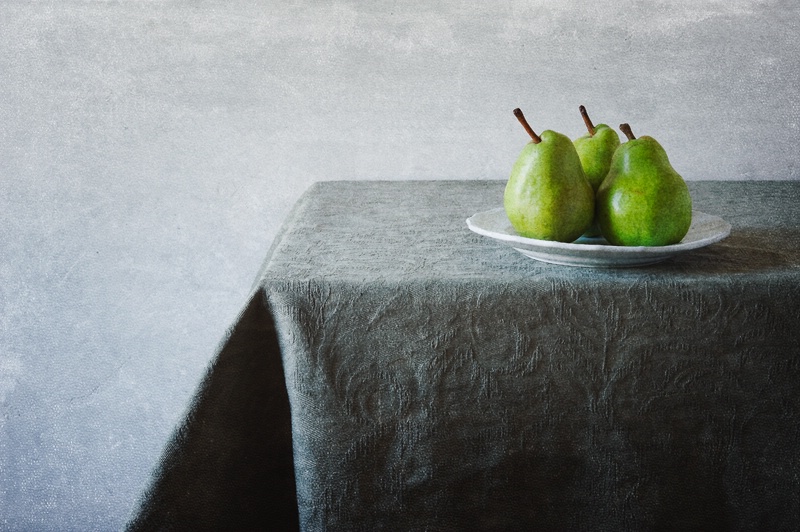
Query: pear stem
{"type": "Point", "coordinates": [536, 138]}
{"type": "Point", "coordinates": [587, 120]}
{"type": "Point", "coordinates": [625, 128]}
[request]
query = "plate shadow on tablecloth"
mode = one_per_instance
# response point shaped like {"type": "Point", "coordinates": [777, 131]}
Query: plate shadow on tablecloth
{"type": "Point", "coordinates": [745, 250]}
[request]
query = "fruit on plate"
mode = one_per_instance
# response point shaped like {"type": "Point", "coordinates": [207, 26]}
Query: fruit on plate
{"type": "Point", "coordinates": [643, 201]}
{"type": "Point", "coordinates": [595, 149]}
{"type": "Point", "coordinates": [547, 196]}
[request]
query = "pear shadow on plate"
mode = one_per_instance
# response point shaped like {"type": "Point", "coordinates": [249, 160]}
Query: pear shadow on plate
{"type": "Point", "coordinates": [745, 250]}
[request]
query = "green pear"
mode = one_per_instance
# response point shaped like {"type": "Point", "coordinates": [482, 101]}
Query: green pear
{"type": "Point", "coordinates": [595, 149]}
{"type": "Point", "coordinates": [547, 196]}
{"type": "Point", "coordinates": [643, 201]}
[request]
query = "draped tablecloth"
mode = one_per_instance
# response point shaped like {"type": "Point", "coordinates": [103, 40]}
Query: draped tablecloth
{"type": "Point", "coordinates": [395, 371]}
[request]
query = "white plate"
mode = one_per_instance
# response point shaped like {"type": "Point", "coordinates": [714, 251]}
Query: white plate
{"type": "Point", "coordinates": [596, 252]}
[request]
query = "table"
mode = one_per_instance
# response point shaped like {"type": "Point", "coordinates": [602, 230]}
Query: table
{"type": "Point", "coordinates": [395, 371]}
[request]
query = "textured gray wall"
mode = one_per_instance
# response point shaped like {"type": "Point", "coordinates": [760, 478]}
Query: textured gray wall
{"type": "Point", "coordinates": [150, 149]}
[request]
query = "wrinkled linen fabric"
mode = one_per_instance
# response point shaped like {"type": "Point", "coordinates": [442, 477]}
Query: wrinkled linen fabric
{"type": "Point", "coordinates": [439, 380]}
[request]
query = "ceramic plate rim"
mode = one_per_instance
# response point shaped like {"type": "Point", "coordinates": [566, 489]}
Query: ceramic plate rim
{"type": "Point", "coordinates": [586, 248]}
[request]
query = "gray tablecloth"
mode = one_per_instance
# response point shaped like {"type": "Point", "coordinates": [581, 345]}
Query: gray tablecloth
{"type": "Point", "coordinates": [396, 371]}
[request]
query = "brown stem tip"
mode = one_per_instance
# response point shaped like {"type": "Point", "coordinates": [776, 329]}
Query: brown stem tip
{"type": "Point", "coordinates": [625, 128]}
{"type": "Point", "coordinates": [587, 120]}
{"type": "Point", "coordinates": [536, 138]}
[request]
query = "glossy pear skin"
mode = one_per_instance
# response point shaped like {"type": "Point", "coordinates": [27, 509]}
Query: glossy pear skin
{"type": "Point", "coordinates": [596, 151]}
{"type": "Point", "coordinates": [547, 196]}
{"type": "Point", "coordinates": [643, 201]}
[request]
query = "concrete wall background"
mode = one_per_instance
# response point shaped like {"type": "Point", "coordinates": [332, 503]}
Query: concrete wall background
{"type": "Point", "coordinates": [149, 151]}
